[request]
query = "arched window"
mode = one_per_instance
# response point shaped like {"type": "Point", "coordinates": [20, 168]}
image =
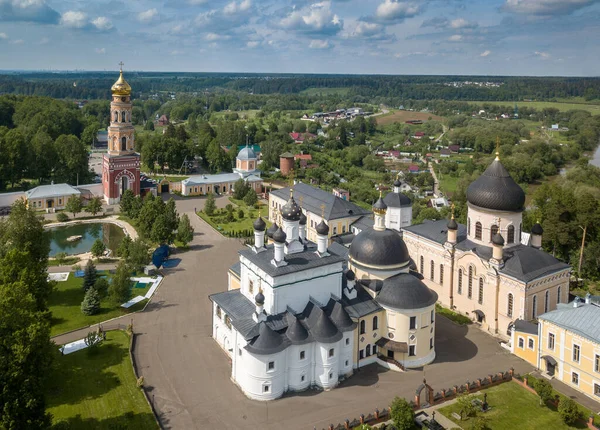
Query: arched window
{"type": "Point", "coordinates": [509, 308]}
{"type": "Point", "coordinates": [468, 226]}
{"type": "Point", "coordinates": [534, 308]}
{"type": "Point", "coordinates": [480, 291]}
{"type": "Point", "coordinates": [123, 143]}
{"type": "Point", "coordinates": [547, 301]}
{"type": "Point", "coordinates": [459, 281]}
{"type": "Point", "coordinates": [422, 265]}
{"type": "Point", "coordinates": [375, 323]}
{"type": "Point", "coordinates": [123, 116]}
{"type": "Point", "coordinates": [368, 350]}
{"type": "Point", "coordinates": [470, 284]}
{"type": "Point", "coordinates": [478, 230]}
{"type": "Point", "coordinates": [493, 231]}
{"type": "Point", "coordinates": [431, 270]}
{"type": "Point", "coordinates": [558, 295]}
{"type": "Point", "coordinates": [219, 311]}
{"type": "Point", "coordinates": [441, 274]}
{"type": "Point", "coordinates": [510, 234]}
{"type": "Point", "coordinates": [116, 116]}
{"type": "Point", "coordinates": [363, 325]}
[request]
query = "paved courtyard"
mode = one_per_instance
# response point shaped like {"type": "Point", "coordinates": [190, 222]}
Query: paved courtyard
{"type": "Point", "coordinates": [189, 375]}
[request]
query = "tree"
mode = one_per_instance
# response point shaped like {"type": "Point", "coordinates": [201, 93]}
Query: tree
{"type": "Point", "coordinates": [185, 231]}
{"type": "Point", "coordinates": [72, 160]}
{"type": "Point", "coordinates": [90, 275]}
{"type": "Point", "coordinates": [466, 408]}
{"type": "Point", "coordinates": [138, 253]}
{"type": "Point", "coordinates": [250, 198]}
{"type": "Point", "coordinates": [123, 249]}
{"type": "Point", "coordinates": [210, 205]}
{"type": "Point", "coordinates": [91, 302]}
{"type": "Point", "coordinates": [402, 414]}
{"type": "Point", "coordinates": [149, 126]}
{"type": "Point", "coordinates": [568, 411]}
{"type": "Point", "coordinates": [98, 248]}
{"type": "Point", "coordinates": [162, 231]}
{"type": "Point", "coordinates": [92, 341]}
{"type": "Point", "coordinates": [126, 203]}
{"type": "Point", "coordinates": [94, 206]}
{"type": "Point", "coordinates": [101, 286]}
{"type": "Point", "coordinates": [74, 205]}
{"type": "Point", "coordinates": [544, 390]}
{"type": "Point", "coordinates": [240, 188]}
{"type": "Point", "coordinates": [119, 289]}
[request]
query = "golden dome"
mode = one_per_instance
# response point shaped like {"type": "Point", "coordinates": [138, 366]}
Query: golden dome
{"type": "Point", "coordinates": [121, 87]}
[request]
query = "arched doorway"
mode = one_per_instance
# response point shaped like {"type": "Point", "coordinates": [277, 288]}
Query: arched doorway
{"type": "Point", "coordinates": [123, 184]}
{"type": "Point", "coordinates": [50, 203]}
{"type": "Point", "coordinates": [428, 395]}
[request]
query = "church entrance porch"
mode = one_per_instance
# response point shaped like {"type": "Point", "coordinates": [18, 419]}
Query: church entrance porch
{"type": "Point", "coordinates": [50, 203]}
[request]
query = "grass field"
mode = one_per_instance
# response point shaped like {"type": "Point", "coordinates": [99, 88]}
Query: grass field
{"type": "Point", "coordinates": [65, 302]}
{"type": "Point", "coordinates": [243, 114]}
{"type": "Point", "coordinates": [325, 91]}
{"type": "Point", "coordinates": [405, 115]}
{"type": "Point", "coordinates": [98, 391]}
{"type": "Point", "coordinates": [512, 407]}
{"type": "Point", "coordinates": [448, 184]}
{"type": "Point", "coordinates": [563, 106]}
{"type": "Point", "coordinates": [250, 214]}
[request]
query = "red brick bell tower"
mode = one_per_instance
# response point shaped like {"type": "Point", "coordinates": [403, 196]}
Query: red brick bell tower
{"type": "Point", "coordinates": [121, 165]}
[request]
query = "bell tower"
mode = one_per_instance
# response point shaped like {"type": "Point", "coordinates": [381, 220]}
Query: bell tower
{"type": "Point", "coordinates": [121, 165]}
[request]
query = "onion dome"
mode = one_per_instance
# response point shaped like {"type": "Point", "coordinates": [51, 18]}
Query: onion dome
{"type": "Point", "coordinates": [291, 211]}
{"type": "Point", "coordinates": [496, 190]}
{"type": "Point", "coordinates": [405, 291]}
{"type": "Point", "coordinates": [279, 236]}
{"type": "Point", "coordinates": [259, 224]}
{"type": "Point", "coordinates": [452, 224]}
{"type": "Point", "coordinates": [322, 228]}
{"type": "Point", "coordinates": [397, 182]}
{"type": "Point", "coordinates": [259, 298]}
{"type": "Point", "coordinates": [377, 248]}
{"type": "Point", "coordinates": [246, 153]}
{"type": "Point", "coordinates": [497, 239]}
{"type": "Point", "coordinates": [271, 231]}
{"type": "Point", "coordinates": [121, 87]}
{"type": "Point", "coordinates": [302, 219]}
{"type": "Point", "coordinates": [537, 229]}
{"type": "Point", "coordinates": [379, 207]}
{"type": "Point", "coordinates": [350, 275]}
{"type": "Point", "coordinates": [267, 342]}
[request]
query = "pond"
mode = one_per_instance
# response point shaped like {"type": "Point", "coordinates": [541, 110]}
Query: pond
{"type": "Point", "coordinates": [110, 234]}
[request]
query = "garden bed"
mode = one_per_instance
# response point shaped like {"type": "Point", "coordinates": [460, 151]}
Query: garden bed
{"type": "Point", "coordinates": [452, 316]}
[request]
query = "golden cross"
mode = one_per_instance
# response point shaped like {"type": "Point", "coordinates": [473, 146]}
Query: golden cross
{"type": "Point", "coordinates": [121, 64]}
{"type": "Point", "coordinates": [498, 147]}
{"type": "Point", "coordinates": [301, 199]}
{"type": "Point", "coordinates": [323, 211]}
{"type": "Point", "coordinates": [453, 206]}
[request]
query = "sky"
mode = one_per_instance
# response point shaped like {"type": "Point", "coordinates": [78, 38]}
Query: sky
{"type": "Point", "coordinates": [440, 37]}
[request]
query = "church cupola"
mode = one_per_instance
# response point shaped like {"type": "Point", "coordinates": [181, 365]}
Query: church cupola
{"type": "Point", "coordinates": [379, 210]}
{"type": "Point", "coordinates": [452, 228]}
{"type": "Point", "coordinates": [350, 290]}
{"type": "Point", "coordinates": [259, 234]}
{"type": "Point", "coordinates": [397, 184]}
{"type": "Point", "coordinates": [302, 230]}
{"type": "Point", "coordinates": [322, 238]}
{"type": "Point", "coordinates": [259, 314]}
{"type": "Point", "coordinates": [498, 249]}
{"type": "Point", "coordinates": [271, 231]}
{"type": "Point", "coordinates": [290, 215]}
{"type": "Point", "coordinates": [279, 238]}
{"type": "Point", "coordinates": [536, 235]}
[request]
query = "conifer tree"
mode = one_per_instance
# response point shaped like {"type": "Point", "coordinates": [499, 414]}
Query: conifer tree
{"type": "Point", "coordinates": [91, 302]}
{"type": "Point", "coordinates": [90, 275]}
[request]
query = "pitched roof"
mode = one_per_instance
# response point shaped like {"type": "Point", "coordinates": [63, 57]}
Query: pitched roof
{"type": "Point", "coordinates": [53, 190]}
{"type": "Point", "coordinates": [313, 198]}
{"type": "Point", "coordinates": [363, 304]}
{"type": "Point", "coordinates": [526, 327]}
{"type": "Point", "coordinates": [436, 231]}
{"type": "Point", "coordinates": [583, 320]}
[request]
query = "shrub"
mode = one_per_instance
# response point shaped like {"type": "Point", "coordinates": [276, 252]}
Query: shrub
{"type": "Point", "coordinates": [93, 340]}
{"type": "Point", "coordinates": [544, 390]}
{"type": "Point", "coordinates": [185, 231]}
{"type": "Point", "coordinates": [466, 408]}
{"type": "Point", "coordinates": [402, 414]}
{"type": "Point", "coordinates": [60, 258]}
{"type": "Point", "coordinates": [250, 198]}
{"type": "Point", "coordinates": [210, 205]}
{"type": "Point", "coordinates": [91, 302]}
{"type": "Point", "coordinates": [569, 411]}
{"type": "Point", "coordinates": [62, 217]}
{"type": "Point", "coordinates": [240, 213]}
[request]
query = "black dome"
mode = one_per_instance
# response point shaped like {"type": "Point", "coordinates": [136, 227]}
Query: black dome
{"type": "Point", "coordinates": [271, 231]}
{"type": "Point", "coordinates": [259, 224]}
{"type": "Point", "coordinates": [452, 224]}
{"type": "Point", "coordinates": [259, 298]}
{"type": "Point", "coordinates": [379, 248]}
{"type": "Point", "coordinates": [302, 219]}
{"type": "Point", "coordinates": [397, 200]}
{"type": "Point", "coordinates": [397, 182]}
{"type": "Point", "coordinates": [405, 291]}
{"type": "Point", "coordinates": [495, 189]}
{"type": "Point", "coordinates": [291, 211]}
{"type": "Point", "coordinates": [497, 239]}
{"type": "Point", "coordinates": [380, 204]}
{"type": "Point", "coordinates": [322, 228]}
{"type": "Point", "coordinates": [350, 275]}
{"type": "Point", "coordinates": [537, 229]}
{"type": "Point", "coordinates": [279, 236]}
{"type": "Point", "coordinates": [267, 342]}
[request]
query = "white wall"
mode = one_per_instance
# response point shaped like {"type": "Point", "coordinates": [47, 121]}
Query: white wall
{"type": "Point", "coordinates": [397, 218]}
{"type": "Point", "coordinates": [489, 218]}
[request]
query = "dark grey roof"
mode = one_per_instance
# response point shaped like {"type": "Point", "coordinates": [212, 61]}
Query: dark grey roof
{"type": "Point", "coordinates": [259, 224]}
{"type": "Point", "coordinates": [537, 229]}
{"type": "Point", "coordinates": [405, 291]}
{"type": "Point", "coordinates": [339, 249]}
{"type": "Point", "coordinates": [291, 211]}
{"type": "Point", "coordinates": [436, 231]}
{"type": "Point", "coordinates": [380, 204]}
{"type": "Point", "coordinates": [237, 268]}
{"type": "Point", "coordinates": [338, 315]}
{"type": "Point", "coordinates": [271, 230]}
{"type": "Point", "coordinates": [363, 304]}
{"type": "Point", "coordinates": [313, 198]}
{"type": "Point", "coordinates": [527, 263]}
{"type": "Point", "coordinates": [296, 332]}
{"type": "Point", "coordinates": [495, 189]}
{"type": "Point", "coordinates": [379, 248]}
{"type": "Point", "coordinates": [268, 341]}
{"type": "Point", "coordinates": [322, 228]}
{"type": "Point", "coordinates": [526, 327]}
{"type": "Point", "coordinates": [279, 236]}
{"type": "Point", "coordinates": [320, 326]}
{"type": "Point", "coordinates": [364, 222]}
{"type": "Point", "coordinates": [497, 239]}
{"type": "Point", "coordinates": [583, 320]}
{"type": "Point", "coordinates": [246, 153]}
{"type": "Point", "coordinates": [344, 238]}
{"type": "Point", "coordinates": [306, 260]}
{"type": "Point", "coordinates": [397, 200]}
{"type": "Point", "coordinates": [239, 309]}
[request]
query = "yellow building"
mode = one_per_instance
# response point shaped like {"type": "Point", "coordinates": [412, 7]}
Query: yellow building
{"type": "Point", "coordinates": [53, 196]}
{"type": "Point", "coordinates": [524, 341]}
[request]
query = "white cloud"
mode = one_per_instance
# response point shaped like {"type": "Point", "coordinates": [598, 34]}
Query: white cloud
{"type": "Point", "coordinates": [44, 41]}
{"type": "Point", "coordinates": [29, 11]}
{"type": "Point", "coordinates": [211, 37]}
{"type": "Point", "coordinates": [316, 18]}
{"type": "Point", "coordinates": [462, 23]}
{"type": "Point", "coordinates": [176, 52]}
{"type": "Point", "coordinates": [3, 36]}
{"type": "Point", "coordinates": [17, 42]}
{"type": "Point", "coordinates": [100, 50]}
{"type": "Point", "coordinates": [542, 55]}
{"type": "Point", "coordinates": [455, 38]}
{"type": "Point", "coordinates": [252, 44]}
{"type": "Point", "coordinates": [102, 23]}
{"type": "Point", "coordinates": [235, 7]}
{"type": "Point", "coordinates": [393, 10]}
{"type": "Point", "coordinates": [74, 19]}
{"type": "Point", "coordinates": [545, 7]}
{"type": "Point", "coordinates": [485, 53]}
{"type": "Point", "coordinates": [147, 15]}
{"type": "Point", "coordinates": [319, 44]}
{"type": "Point", "coordinates": [177, 29]}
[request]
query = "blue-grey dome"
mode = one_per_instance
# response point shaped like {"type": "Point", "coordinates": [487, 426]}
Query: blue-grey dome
{"type": "Point", "coordinates": [322, 228]}
{"type": "Point", "coordinates": [379, 248]}
{"type": "Point", "coordinates": [495, 189]}
{"type": "Point", "coordinates": [405, 291]}
{"type": "Point", "coordinates": [279, 236]}
{"type": "Point", "coordinates": [246, 153]}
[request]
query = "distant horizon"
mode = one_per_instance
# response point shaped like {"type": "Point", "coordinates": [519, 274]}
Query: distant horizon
{"type": "Point", "coordinates": [382, 37]}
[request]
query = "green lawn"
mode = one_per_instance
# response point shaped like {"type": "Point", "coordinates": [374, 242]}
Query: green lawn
{"type": "Point", "coordinates": [512, 407]}
{"type": "Point", "coordinates": [250, 214]}
{"type": "Point", "coordinates": [98, 391]}
{"type": "Point", "coordinates": [594, 109]}
{"type": "Point", "coordinates": [448, 184]}
{"type": "Point", "coordinates": [453, 316]}
{"type": "Point", "coordinates": [65, 302]}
